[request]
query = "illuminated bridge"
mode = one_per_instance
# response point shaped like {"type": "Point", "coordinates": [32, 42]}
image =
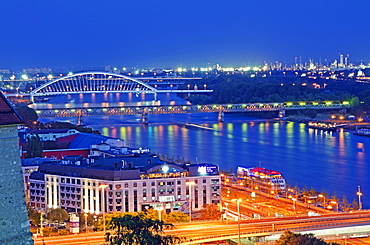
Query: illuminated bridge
{"type": "Point", "coordinates": [101, 82]}
{"type": "Point", "coordinates": [221, 109]}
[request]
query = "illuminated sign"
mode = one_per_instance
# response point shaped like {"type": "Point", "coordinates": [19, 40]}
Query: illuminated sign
{"type": "Point", "coordinates": [207, 169]}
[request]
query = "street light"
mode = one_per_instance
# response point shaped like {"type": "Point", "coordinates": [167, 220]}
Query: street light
{"type": "Point", "coordinates": [238, 207]}
{"type": "Point", "coordinates": [41, 225]}
{"type": "Point", "coordinates": [323, 196]}
{"type": "Point", "coordinates": [335, 203]}
{"type": "Point", "coordinates": [359, 194]}
{"type": "Point", "coordinates": [294, 200]}
{"type": "Point", "coordinates": [190, 183]}
{"type": "Point", "coordinates": [85, 214]}
{"type": "Point", "coordinates": [103, 186]}
{"type": "Point", "coordinates": [159, 209]}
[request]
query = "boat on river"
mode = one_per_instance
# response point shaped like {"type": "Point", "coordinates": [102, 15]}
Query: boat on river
{"type": "Point", "coordinates": [362, 132]}
{"type": "Point", "coordinates": [265, 179]}
{"type": "Point", "coordinates": [323, 126]}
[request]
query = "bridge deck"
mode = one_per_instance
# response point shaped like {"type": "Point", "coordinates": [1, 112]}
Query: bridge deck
{"type": "Point", "coordinates": [177, 109]}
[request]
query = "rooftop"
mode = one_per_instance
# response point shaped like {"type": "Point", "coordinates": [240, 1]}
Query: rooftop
{"type": "Point", "coordinates": [8, 115]}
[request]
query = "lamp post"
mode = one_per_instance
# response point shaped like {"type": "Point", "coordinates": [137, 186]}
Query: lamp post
{"type": "Point", "coordinates": [359, 194]}
{"type": "Point", "coordinates": [238, 207]}
{"type": "Point", "coordinates": [190, 183]}
{"type": "Point", "coordinates": [41, 225]}
{"type": "Point", "coordinates": [103, 186]}
{"type": "Point", "coordinates": [85, 214]}
{"type": "Point", "coordinates": [335, 203]}
{"type": "Point", "coordinates": [294, 200]}
{"type": "Point", "coordinates": [159, 209]}
{"type": "Point", "coordinates": [226, 204]}
{"type": "Point", "coordinates": [323, 196]}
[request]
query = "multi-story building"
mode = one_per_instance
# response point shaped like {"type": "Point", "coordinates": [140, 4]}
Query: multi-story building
{"type": "Point", "coordinates": [130, 183]}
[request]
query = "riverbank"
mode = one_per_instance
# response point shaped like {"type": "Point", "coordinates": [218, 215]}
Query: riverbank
{"type": "Point", "coordinates": [348, 125]}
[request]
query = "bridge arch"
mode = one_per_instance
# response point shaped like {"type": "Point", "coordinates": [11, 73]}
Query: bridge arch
{"type": "Point", "coordinates": [93, 82]}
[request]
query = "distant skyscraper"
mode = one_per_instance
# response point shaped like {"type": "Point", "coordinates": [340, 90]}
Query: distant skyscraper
{"type": "Point", "coordinates": [341, 60]}
{"type": "Point", "coordinates": [14, 225]}
{"type": "Point", "coordinates": [346, 60]}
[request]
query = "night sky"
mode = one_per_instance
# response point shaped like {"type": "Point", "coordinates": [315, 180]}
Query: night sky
{"type": "Point", "coordinates": [170, 33]}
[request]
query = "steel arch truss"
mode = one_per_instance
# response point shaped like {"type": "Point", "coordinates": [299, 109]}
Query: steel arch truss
{"type": "Point", "coordinates": [93, 82]}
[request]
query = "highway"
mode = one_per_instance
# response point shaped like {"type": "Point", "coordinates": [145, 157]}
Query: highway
{"type": "Point", "coordinates": [270, 226]}
{"type": "Point", "coordinates": [208, 231]}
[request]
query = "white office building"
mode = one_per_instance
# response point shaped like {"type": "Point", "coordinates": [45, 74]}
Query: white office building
{"type": "Point", "coordinates": [123, 184]}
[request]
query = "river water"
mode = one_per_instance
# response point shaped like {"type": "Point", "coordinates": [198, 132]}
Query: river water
{"type": "Point", "coordinates": [338, 162]}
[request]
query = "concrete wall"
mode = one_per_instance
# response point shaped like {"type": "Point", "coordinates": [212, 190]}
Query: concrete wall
{"type": "Point", "coordinates": [14, 225]}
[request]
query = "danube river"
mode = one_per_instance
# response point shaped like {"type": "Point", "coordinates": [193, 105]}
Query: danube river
{"type": "Point", "coordinates": [338, 162]}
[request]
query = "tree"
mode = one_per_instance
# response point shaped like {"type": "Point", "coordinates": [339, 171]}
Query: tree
{"type": "Point", "coordinates": [139, 230]}
{"type": "Point", "coordinates": [33, 215]}
{"type": "Point", "coordinates": [34, 146]}
{"type": "Point", "coordinates": [210, 212]}
{"type": "Point", "coordinates": [57, 214]}
{"type": "Point", "coordinates": [175, 217]}
{"type": "Point", "coordinates": [344, 205]}
{"type": "Point", "coordinates": [28, 115]}
{"type": "Point", "coordinates": [290, 238]}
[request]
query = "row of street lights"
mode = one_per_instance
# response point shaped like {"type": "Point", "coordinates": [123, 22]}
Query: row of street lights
{"type": "Point", "coordinates": [329, 206]}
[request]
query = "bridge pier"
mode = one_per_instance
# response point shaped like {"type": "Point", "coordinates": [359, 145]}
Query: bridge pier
{"type": "Point", "coordinates": [221, 116]}
{"type": "Point", "coordinates": [144, 118]}
{"type": "Point", "coordinates": [282, 113]}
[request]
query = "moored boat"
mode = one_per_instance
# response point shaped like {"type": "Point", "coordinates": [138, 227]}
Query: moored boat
{"type": "Point", "coordinates": [323, 126]}
{"type": "Point", "coordinates": [362, 132]}
{"type": "Point", "coordinates": [265, 179]}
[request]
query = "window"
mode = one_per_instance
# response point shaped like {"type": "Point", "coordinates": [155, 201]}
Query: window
{"type": "Point", "coordinates": [179, 182]}
{"type": "Point", "coordinates": [68, 180]}
{"type": "Point", "coordinates": [78, 182]}
{"type": "Point", "coordinates": [144, 184]}
{"type": "Point", "coordinates": [126, 185]}
{"type": "Point", "coordinates": [73, 181]}
{"type": "Point", "coordinates": [118, 187]}
{"type": "Point", "coordinates": [135, 184]}
{"type": "Point", "coordinates": [215, 181]}
{"type": "Point", "coordinates": [204, 181]}
{"type": "Point", "coordinates": [62, 180]}
{"type": "Point", "coordinates": [153, 183]}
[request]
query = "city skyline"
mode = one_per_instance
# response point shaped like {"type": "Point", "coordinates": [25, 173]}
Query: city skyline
{"type": "Point", "coordinates": [175, 34]}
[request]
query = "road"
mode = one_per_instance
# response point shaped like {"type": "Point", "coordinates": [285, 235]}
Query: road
{"type": "Point", "coordinates": [217, 230]}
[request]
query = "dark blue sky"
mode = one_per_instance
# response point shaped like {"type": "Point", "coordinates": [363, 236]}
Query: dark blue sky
{"type": "Point", "coordinates": [170, 33]}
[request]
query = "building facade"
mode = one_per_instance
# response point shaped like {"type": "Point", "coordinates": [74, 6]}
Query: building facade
{"type": "Point", "coordinates": [123, 184]}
